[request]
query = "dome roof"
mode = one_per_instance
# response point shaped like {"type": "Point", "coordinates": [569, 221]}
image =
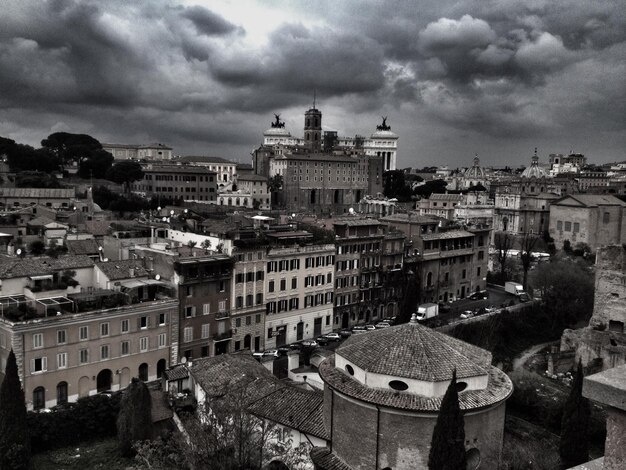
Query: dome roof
{"type": "Point", "coordinates": [534, 170]}
{"type": "Point", "coordinates": [413, 351]}
{"type": "Point", "coordinates": [475, 171]}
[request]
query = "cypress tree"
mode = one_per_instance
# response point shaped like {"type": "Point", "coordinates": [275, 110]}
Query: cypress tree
{"type": "Point", "coordinates": [574, 445]}
{"type": "Point", "coordinates": [14, 437]}
{"type": "Point", "coordinates": [447, 448]}
{"type": "Point", "coordinates": [134, 421]}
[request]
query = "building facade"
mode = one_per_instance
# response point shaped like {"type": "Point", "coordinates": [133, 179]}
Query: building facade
{"type": "Point", "coordinates": [178, 182]}
{"type": "Point", "coordinates": [155, 151]}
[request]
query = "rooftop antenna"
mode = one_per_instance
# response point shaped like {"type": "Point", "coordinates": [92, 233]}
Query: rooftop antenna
{"type": "Point", "coordinates": [314, 98]}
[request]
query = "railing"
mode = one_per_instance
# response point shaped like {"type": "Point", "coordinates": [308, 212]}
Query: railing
{"type": "Point", "coordinates": [222, 336]}
{"type": "Point", "coordinates": [221, 315]}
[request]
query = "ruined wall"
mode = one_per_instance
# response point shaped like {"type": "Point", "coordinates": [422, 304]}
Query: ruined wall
{"type": "Point", "coordinates": [602, 345]}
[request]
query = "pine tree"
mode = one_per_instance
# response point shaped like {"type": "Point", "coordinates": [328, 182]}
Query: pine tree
{"type": "Point", "coordinates": [134, 421]}
{"type": "Point", "coordinates": [447, 448]}
{"type": "Point", "coordinates": [574, 445]}
{"type": "Point", "coordinates": [14, 438]}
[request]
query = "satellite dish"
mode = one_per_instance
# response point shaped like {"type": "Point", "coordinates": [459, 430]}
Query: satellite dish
{"type": "Point", "coordinates": [18, 252]}
{"type": "Point", "coordinates": [99, 248]}
{"type": "Point", "coordinates": [105, 260]}
{"type": "Point", "coordinates": [293, 215]}
{"type": "Point", "coordinates": [157, 277]}
{"type": "Point", "coordinates": [351, 210]}
{"type": "Point", "coordinates": [183, 360]}
{"type": "Point", "coordinates": [164, 219]}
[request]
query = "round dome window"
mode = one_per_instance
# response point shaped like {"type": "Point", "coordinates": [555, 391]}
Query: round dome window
{"type": "Point", "coordinates": [460, 386]}
{"type": "Point", "coordinates": [349, 369]}
{"type": "Point", "coordinates": [398, 385]}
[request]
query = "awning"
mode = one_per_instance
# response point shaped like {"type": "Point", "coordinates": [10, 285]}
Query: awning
{"type": "Point", "coordinates": [40, 278]}
{"type": "Point", "coordinates": [132, 283]}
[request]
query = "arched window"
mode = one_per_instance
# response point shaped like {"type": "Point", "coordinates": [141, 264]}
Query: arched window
{"type": "Point", "coordinates": [143, 372]}
{"type": "Point", "coordinates": [349, 369]}
{"type": "Point", "coordinates": [398, 385]}
{"type": "Point", "coordinates": [429, 279]}
{"type": "Point", "coordinates": [313, 196]}
{"type": "Point", "coordinates": [161, 366]}
{"type": "Point", "coordinates": [39, 398]}
{"type": "Point", "coordinates": [246, 341]}
{"type": "Point", "coordinates": [61, 393]}
{"type": "Point", "coordinates": [336, 197]}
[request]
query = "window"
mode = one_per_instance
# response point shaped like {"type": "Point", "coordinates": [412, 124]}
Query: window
{"type": "Point", "coordinates": [188, 334]}
{"type": "Point", "coordinates": [125, 348]}
{"type": "Point", "coordinates": [206, 309]}
{"type": "Point", "coordinates": [39, 398]}
{"type": "Point", "coordinates": [327, 320]}
{"type": "Point", "coordinates": [143, 344]}
{"type": "Point", "coordinates": [104, 329]}
{"type": "Point", "coordinates": [189, 311]}
{"type": "Point", "coordinates": [576, 227]}
{"type": "Point", "coordinates": [294, 282]}
{"type": "Point", "coordinates": [559, 225]}
{"type": "Point", "coordinates": [61, 336]}
{"type": "Point", "coordinates": [104, 352]}
{"type": "Point", "coordinates": [61, 393]}
{"type": "Point", "coordinates": [38, 340]}
{"type": "Point", "coordinates": [162, 340]}
{"type": "Point", "coordinates": [478, 272]}
{"type": "Point", "coordinates": [398, 385]}
{"type": "Point", "coordinates": [257, 318]}
{"type": "Point", "coordinates": [606, 218]}
{"type": "Point", "coordinates": [568, 226]}
{"type": "Point", "coordinates": [83, 356]}
{"type": "Point", "coordinates": [248, 321]}
{"type": "Point", "coordinates": [62, 361]}
{"type": "Point", "coordinates": [189, 291]}
{"type": "Point", "coordinates": [239, 301]}
{"type": "Point", "coordinates": [39, 364]}
{"type": "Point", "coordinates": [271, 286]}
{"type": "Point", "coordinates": [124, 326]}
{"type": "Point", "coordinates": [205, 330]}
{"type": "Point", "coordinates": [237, 322]}
{"type": "Point", "coordinates": [162, 318]}
{"type": "Point", "coordinates": [222, 306]}
{"type": "Point", "coordinates": [259, 298]}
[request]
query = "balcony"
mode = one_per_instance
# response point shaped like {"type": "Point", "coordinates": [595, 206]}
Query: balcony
{"type": "Point", "coordinates": [223, 336]}
{"type": "Point", "coordinates": [222, 315]}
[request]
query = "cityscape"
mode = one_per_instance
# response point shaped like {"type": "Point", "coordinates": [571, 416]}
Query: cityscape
{"type": "Point", "coordinates": [282, 236]}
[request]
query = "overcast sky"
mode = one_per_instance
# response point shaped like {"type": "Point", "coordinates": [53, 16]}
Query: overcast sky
{"type": "Point", "coordinates": [455, 78]}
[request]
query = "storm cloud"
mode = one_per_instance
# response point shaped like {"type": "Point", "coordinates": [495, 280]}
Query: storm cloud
{"type": "Point", "coordinates": [455, 78]}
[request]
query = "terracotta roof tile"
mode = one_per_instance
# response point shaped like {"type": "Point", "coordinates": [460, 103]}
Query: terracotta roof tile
{"type": "Point", "coordinates": [325, 459]}
{"type": "Point", "coordinates": [82, 247]}
{"type": "Point", "coordinates": [416, 352]}
{"type": "Point", "coordinates": [22, 267]}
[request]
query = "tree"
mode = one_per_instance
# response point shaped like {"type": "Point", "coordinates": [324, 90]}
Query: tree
{"type": "Point", "coordinates": [567, 289]}
{"type": "Point", "coordinates": [71, 148]}
{"type": "Point", "coordinates": [206, 245]}
{"type": "Point", "coordinates": [503, 242]}
{"type": "Point", "coordinates": [95, 164]}
{"type": "Point", "coordinates": [574, 445]}
{"type": "Point", "coordinates": [37, 248]}
{"type": "Point", "coordinates": [430, 187]}
{"type": "Point", "coordinates": [275, 183]}
{"type": "Point", "coordinates": [447, 448]}
{"type": "Point", "coordinates": [526, 255]}
{"type": "Point", "coordinates": [14, 436]}
{"type": "Point", "coordinates": [134, 422]}
{"type": "Point", "coordinates": [125, 173]}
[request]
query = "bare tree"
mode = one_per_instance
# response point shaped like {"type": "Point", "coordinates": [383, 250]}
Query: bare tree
{"type": "Point", "coordinates": [526, 255]}
{"type": "Point", "coordinates": [503, 243]}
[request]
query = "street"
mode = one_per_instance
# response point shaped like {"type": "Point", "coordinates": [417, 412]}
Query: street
{"type": "Point", "coordinates": [497, 297]}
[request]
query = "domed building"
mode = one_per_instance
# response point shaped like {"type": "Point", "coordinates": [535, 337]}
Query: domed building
{"type": "Point", "coordinates": [534, 170]}
{"type": "Point", "coordinates": [383, 391]}
{"type": "Point", "coordinates": [473, 176]}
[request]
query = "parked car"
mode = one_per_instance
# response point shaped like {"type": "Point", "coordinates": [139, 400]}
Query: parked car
{"type": "Point", "coordinates": [370, 327]}
{"type": "Point", "coordinates": [483, 294]}
{"type": "Point", "coordinates": [392, 320]}
{"type": "Point", "coordinates": [333, 336]}
{"type": "Point", "coordinates": [359, 329]}
{"type": "Point", "coordinates": [467, 314]}
{"type": "Point", "coordinates": [383, 324]}
{"type": "Point", "coordinates": [322, 340]}
{"type": "Point", "coordinates": [295, 346]}
{"type": "Point", "coordinates": [268, 352]}
{"type": "Point", "coordinates": [345, 333]}
{"type": "Point", "coordinates": [310, 343]}
{"type": "Point", "coordinates": [283, 350]}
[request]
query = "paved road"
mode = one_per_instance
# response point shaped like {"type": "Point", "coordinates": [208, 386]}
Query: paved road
{"type": "Point", "coordinates": [497, 297]}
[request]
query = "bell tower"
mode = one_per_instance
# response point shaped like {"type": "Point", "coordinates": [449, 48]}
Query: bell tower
{"type": "Point", "coordinates": [313, 128]}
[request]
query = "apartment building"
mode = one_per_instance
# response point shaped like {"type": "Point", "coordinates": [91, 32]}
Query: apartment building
{"type": "Point", "coordinates": [179, 182]}
{"type": "Point", "coordinates": [299, 289]}
{"type": "Point", "coordinates": [204, 290]}
{"type": "Point", "coordinates": [72, 338]}
{"type": "Point", "coordinates": [248, 297]}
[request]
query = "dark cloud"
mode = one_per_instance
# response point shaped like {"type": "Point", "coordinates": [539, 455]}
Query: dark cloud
{"type": "Point", "coordinates": [497, 73]}
{"type": "Point", "coordinates": [209, 23]}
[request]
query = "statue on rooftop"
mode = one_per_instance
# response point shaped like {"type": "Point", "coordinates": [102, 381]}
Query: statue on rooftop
{"type": "Point", "coordinates": [277, 124]}
{"type": "Point", "coordinates": [383, 126]}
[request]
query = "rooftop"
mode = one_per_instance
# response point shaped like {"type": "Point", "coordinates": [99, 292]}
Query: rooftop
{"type": "Point", "coordinates": [22, 267]}
{"type": "Point", "coordinates": [205, 159]}
{"type": "Point", "coordinates": [357, 222]}
{"type": "Point", "coordinates": [82, 247]}
{"type": "Point", "coordinates": [116, 270]}
{"type": "Point", "coordinates": [447, 235]}
{"type": "Point", "coordinates": [414, 351]}
{"type": "Point", "coordinates": [60, 193]}
{"type": "Point", "coordinates": [591, 200]}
